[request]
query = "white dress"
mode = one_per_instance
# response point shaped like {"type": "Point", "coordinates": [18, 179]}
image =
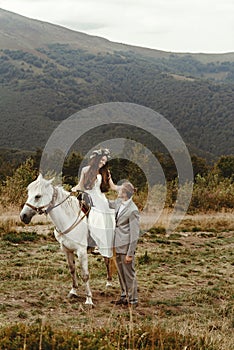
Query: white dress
{"type": "Point", "coordinates": [101, 220]}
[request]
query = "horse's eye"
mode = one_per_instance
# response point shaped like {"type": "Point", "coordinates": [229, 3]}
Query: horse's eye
{"type": "Point", "coordinates": [38, 196]}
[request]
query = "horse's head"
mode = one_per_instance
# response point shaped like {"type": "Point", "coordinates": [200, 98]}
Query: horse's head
{"type": "Point", "coordinates": [40, 195]}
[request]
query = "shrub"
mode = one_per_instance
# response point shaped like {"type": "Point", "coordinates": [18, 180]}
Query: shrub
{"type": "Point", "coordinates": [144, 259]}
{"type": "Point", "coordinates": [14, 191]}
{"type": "Point", "coordinates": [212, 193]}
{"type": "Point", "coordinates": [19, 237]}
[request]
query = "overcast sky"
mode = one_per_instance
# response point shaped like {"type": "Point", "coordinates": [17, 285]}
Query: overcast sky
{"type": "Point", "coordinates": [170, 25]}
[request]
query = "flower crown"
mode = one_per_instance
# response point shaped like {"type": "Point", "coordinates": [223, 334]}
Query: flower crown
{"type": "Point", "coordinates": [101, 152]}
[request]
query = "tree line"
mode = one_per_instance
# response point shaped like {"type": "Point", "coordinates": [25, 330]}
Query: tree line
{"type": "Point", "coordinates": [213, 183]}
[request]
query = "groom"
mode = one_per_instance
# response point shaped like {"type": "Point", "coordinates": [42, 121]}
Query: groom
{"type": "Point", "coordinates": [125, 242]}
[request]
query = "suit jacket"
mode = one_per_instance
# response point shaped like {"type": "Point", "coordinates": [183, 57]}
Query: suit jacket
{"type": "Point", "coordinates": [127, 227]}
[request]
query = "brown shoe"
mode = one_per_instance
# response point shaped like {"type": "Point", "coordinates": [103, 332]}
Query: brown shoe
{"type": "Point", "coordinates": [121, 301]}
{"type": "Point", "coordinates": [133, 305]}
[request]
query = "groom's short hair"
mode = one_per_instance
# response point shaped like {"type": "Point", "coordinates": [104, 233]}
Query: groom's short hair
{"type": "Point", "coordinates": [128, 188]}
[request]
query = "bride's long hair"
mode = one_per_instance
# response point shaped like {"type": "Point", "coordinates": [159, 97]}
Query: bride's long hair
{"type": "Point", "coordinates": [91, 174]}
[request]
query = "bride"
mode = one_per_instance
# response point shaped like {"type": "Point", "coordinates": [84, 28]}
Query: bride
{"type": "Point", "coordinates": [95, 179]}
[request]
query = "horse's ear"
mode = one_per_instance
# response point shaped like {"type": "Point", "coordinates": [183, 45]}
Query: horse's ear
{"type": "Point", "coordinates": [40, 177]}
{"type": "Point", "coordinates": [51, 180]}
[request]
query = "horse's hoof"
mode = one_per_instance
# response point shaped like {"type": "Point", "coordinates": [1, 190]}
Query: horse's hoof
{"type": "Point", "coordinates": [73, 296]}
{"type": "Point", "coordinates": [89, 305]}
{"type": "Point", "coordinates": [95, 251]}
{"type": "Point", "coordinates": [108, 284]}
{"type": "Point", "coordinates": [89, 301]}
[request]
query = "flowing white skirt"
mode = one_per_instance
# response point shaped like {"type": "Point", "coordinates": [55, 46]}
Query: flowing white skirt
{"type": "Point", "coordinates": [101, 227]}
{"type": "Point", "coordinates": [101, 222]}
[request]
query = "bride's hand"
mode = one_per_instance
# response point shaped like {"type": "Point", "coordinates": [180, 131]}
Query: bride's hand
{"type": "Point", "coordinates": [74, 189]}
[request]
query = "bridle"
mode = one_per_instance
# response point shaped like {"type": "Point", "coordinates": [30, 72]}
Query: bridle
{"type": "Point", "coordinates": [41, 210]}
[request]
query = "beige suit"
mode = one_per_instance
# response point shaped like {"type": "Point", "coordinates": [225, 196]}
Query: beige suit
{"type": "Point", "coordinates": [125, 242]}
{"type": "Point", "coordinates": [127, 228]}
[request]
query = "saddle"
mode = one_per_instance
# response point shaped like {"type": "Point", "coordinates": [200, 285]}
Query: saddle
{"type": "Point", "coordinates": [85, 201]}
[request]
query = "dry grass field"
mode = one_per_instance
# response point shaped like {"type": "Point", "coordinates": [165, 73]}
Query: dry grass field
{"type": "Point", "coordinates": [186, 292]}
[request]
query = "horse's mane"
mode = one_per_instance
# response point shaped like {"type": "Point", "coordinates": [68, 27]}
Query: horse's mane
{"type": "Point", "coordinates": [71, 203]}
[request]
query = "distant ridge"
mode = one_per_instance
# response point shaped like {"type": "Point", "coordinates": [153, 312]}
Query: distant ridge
{"type": "Point", "coordinates": [22, 33]}
{"type": "Point", "coordinates": [19, 32]}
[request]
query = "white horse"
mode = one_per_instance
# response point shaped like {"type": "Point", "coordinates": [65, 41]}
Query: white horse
{"type": "Point", "coordinates": [71, 229]}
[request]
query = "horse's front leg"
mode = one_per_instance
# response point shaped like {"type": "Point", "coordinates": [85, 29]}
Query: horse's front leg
{"type": "Point", "coordinates": [83, 258]}
{"type": "Point", "coordinates": [71, 264]}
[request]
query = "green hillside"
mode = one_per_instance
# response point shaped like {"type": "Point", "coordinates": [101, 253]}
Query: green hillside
{"type": "Point", "coordinates": [48, 73]}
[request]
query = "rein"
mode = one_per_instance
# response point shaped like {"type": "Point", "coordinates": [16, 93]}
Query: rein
{"type": "Point", "coordinates": [76, 223]}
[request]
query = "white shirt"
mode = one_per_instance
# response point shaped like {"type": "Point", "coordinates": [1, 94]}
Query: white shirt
{"type": "Point", "coordinates": [123, 205]}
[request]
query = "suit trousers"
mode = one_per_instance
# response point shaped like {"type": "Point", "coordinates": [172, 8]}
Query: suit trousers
{"type": "Point", "coordinates": [127, 278]}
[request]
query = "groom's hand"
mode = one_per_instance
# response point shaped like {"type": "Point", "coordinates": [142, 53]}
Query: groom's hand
{"type": "Point", "coordinates": [128, 259]}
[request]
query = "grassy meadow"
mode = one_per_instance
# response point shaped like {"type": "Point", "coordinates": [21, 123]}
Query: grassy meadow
{"type": "Point", "coordinates": [185, 290]}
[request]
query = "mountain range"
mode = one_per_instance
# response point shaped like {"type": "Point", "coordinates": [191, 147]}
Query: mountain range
{"type": "Point", "coordinates": [48, 72]}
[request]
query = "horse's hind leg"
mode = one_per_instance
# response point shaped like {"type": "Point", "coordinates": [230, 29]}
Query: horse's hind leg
{"type": "Point", "coordinates": [71, 264]}
{"type": "Point", "coordinates": [83, 258]}
{"type": "Point", "coordinates": [110, 268]}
